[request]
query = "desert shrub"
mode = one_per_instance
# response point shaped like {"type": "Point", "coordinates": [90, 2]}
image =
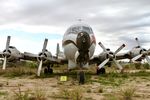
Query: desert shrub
{"type": "Point", "coordinates": [39, 94]}
{"type": "Point", "coordinates": [73, 94]}
{"type": "Point", "coordinates": [128, 93]}
{"type": "Point", "coordinates": [20, 95]}
{"type": "Point", "coordinates": [137, 65]}
{"type": "Point", "coordinates": [146, 66]}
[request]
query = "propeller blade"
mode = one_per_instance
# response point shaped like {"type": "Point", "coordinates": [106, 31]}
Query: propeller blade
{"type": "Point", "coordinates": [136, 57]}
{"type": "Point", "coordinates": [120, 48]}
{"type": "Point", "coordinates": [118, 65]}
{"type": "Point", "coordinates": [102, 46]}
{"type": "Point", "coordinates": [7, 43]}
{"type": "Point", "coordinates": [4, 63]}
{"type": "Point", "coordinates": [148, 60]}
{"type": "Point", "coordinates": [103, 63]}
{"type": "Point", "coordinates": [39, 68]}
{"type": "Point", "coordinates": [44, 45]}
{"type": "Point", "coordinates": [137, 40]}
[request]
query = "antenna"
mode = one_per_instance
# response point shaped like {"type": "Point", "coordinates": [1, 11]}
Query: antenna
{"type": "Point", "coordinates": [80, 20]}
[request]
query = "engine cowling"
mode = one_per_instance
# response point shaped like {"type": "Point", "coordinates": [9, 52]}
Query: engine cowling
{"type": "Point", "coordinates": [44, 56]}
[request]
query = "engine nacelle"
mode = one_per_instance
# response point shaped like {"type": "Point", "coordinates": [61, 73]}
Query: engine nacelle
{"type": "Point", "coordinates": [45, 57]}
{"type": "Point", "coordinates": [12, 54]}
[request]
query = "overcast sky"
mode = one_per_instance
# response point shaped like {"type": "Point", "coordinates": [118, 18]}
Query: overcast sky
{"type": "Point", "coordinates": [114, 22]}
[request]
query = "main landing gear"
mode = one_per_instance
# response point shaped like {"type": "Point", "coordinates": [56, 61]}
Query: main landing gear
{"type": "Point", "coordinates": [48, 70]}
{"type": "Point", "coordinates": [100, 71]}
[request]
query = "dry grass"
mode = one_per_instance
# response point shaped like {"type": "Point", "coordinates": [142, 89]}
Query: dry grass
{"type": "Point", "coordinates": [128, 93]}
{"type": "Point", "coordinates": [75, 93]}
{"type": "Point", "coordinates": [37, 94]}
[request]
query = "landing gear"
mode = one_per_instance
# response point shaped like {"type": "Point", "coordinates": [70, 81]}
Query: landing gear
{"type": "Point", "coordinates": [81, 77]}
{"type": "Point", "coordinates": [101, 71]}
{"type": "Point", "coordinates": [48, 70]}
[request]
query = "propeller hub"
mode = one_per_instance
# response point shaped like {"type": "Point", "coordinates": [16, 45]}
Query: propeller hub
{"type": "Point", "coordinates": [42, 57]}
{"type": "Point", "coordinates": [6, 53]}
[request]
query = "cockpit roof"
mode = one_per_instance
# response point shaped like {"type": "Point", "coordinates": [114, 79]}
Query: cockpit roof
{"type": "Point", "coordinates": [80, 24]}
{"type": "Point", "coordinates": [78, 28]}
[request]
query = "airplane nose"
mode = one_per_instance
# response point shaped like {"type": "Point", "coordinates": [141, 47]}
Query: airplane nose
{"type": "Point", "coordinates": [83, 45]}
{"type": "Point", "coordinates": [83, 41]}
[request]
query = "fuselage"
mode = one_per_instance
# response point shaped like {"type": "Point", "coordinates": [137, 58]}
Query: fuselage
{"type": "Point", "coordinates": [137, 51]}
{"type": "Point", "coordinates": [79, 45]}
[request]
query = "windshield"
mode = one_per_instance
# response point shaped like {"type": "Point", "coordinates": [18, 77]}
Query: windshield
{"type": "Point", "coordinates": [77, 29]}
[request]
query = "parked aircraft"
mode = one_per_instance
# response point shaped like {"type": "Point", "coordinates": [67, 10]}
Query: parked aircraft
{"type": "Point", "coordinates": [79, 45]}
{"type": "Point", "coordinates": [107, 57]}
{"type": "Point", "coordinates": [137, 53]}
{"type": "Point", "coordinates": [10, 53]}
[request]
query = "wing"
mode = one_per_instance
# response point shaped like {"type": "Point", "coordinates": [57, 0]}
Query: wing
{"type": "Point", "coordinates": [121, 56]}
{"type": "Point", "coordinates": [30, 56]}
{"type": "Point", "coordinates": [35, 57]}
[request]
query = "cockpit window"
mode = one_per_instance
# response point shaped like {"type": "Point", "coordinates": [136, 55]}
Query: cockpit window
{"type": "Point", "coordinates": [87, 29]}
{"type": "Point", "coordinates": [77, 29]}
{"type": "Point", "coordinates": [12, 47]}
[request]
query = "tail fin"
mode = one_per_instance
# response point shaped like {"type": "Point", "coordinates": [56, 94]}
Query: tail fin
{"type": "Point", "coordinates": [57, 50]}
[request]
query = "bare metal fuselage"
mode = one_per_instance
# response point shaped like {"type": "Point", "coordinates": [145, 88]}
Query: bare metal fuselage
{"type": "Point", "coordinates": [71, 50]}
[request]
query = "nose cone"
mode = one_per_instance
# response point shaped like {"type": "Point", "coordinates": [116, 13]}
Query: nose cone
{"type": "Point", "coordinates": [83, 41]}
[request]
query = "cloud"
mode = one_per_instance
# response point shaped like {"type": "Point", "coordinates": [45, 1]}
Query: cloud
{"type": "Point", "coordinates": [113, 21]}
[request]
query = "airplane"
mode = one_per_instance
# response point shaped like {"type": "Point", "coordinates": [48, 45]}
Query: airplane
{"type": "Point", "coordinates": [106, 58]}
{"type": "Point", "coordinates": [79, 45]}
{"type": "Point", "coordinates": [10, 54]}
{"type": "Point", "coordinates": [136, 54]}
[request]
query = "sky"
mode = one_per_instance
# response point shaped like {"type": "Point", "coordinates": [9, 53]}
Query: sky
{"type": "Point", "coordinates": [114, 22]}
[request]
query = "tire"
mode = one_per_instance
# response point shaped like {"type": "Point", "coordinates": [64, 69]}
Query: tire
{"type": "Point", "coordinates": [50, 71]}
{"type": "Point", "coordinates": [101, 71]}
{"type": "Point", "coordinates": [45, 70]}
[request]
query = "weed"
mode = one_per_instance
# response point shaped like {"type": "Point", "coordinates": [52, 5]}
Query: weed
{"type": "Point", "coordinates": [128, 93]}
{"type": "Point", "coordinates": [74, 94]}
{"type": "Point", "coordinates": [88, 90]}
{"type": "Point", "coordinates": [140, 73]}
{"type": "Point", "coordinates": [137, 65]}
{"type": "Point", "coordinates": [17, 72]}
{"type": "Point", "coordinates": [100, 90]}
{"type": "Point", "coordinates": [2, 93]}
{"type": "Point", "coordinates": [146, 66]}
{"type": "Point", "coordinates": [111, 97]}
{"type": "Point", "coordinates": [39, 94]}
{"type": "Point", "coordinates": [19, 95]}
{"type": "Point", "coordinates": [1, 84]}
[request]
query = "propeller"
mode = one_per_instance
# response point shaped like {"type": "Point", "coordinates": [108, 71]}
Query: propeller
{"type": "Point", "coordinates": [111, 56]}
{"type": "Point", "coordinates": [144, 52]}
{"type": "Point", "coordinates": [42, 57]}
{"type": "Point", "coordinates": [6, 53]}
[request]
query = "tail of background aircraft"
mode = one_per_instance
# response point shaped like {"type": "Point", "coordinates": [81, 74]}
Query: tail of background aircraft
{"type": "Point", "coordinates": [59, 54]}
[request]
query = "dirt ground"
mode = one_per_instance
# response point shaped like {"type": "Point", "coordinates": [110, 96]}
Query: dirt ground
{"type": "Point", "coordinates": [53, 89]}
